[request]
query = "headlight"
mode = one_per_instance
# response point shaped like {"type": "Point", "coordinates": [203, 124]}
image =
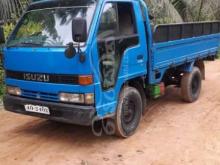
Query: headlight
{"type": "Point", "coordinates": [77, 98]}
{"type": "Point", "coordinates": [74, 98]}
{"type": "Point", "coordinates": [13, 90]}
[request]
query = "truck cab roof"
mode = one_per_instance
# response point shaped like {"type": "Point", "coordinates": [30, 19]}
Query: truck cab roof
{"type": "Point", "coordinates": [42, 4]}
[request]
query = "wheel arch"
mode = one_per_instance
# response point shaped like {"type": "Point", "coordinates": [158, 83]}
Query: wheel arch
{"type": "Point", "coordinates": [138, 83]}
{"type": "Point", "coordinates": [201, 65]}
{"type": "Point", "coordinates": [189, 67]}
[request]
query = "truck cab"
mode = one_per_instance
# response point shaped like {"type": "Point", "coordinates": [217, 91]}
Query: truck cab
{"type": "Point", "coordinates": [68, 60]}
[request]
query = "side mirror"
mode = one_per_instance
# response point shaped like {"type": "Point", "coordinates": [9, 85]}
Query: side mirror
{"type": "Point", "coordinates": [2, 36]}
{"type": "Point", "coordinates": [79, 30]}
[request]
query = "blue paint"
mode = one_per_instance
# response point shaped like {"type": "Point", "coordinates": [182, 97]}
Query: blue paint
{"type": "Point", "coordinates": [158, 57]}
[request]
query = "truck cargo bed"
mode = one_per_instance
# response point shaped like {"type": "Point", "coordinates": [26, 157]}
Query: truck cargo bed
{"type": "Point", "coordinates": [176, 44]}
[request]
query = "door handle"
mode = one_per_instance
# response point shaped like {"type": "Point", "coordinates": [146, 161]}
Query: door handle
{"type": "Point", "coordinates": [140, 57]}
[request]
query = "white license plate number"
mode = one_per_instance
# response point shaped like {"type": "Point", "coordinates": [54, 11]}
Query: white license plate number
{"type": "Point", "coordinates": [37, 109]}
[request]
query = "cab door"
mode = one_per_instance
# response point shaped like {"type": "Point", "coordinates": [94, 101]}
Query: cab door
{"type": "Point", "coordinates": [118, 51]}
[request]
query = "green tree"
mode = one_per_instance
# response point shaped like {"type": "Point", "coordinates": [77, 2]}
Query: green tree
{"type": "Point", "coordinates": [197, 10]}
{"type": "Point", "coordinates": [181, 8]}
{"type": "Point", "coordinates": [171, 11]}
{"type": "Point", "coordinates": [12, 9]}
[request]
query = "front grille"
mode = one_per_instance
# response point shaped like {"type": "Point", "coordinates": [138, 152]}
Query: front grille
{"type": "Point", "coordinates": [40, 95]}
{"type": "Point", "coordinates": [43, 77]}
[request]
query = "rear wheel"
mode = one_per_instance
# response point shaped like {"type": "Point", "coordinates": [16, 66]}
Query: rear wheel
{"type": "Point", "coordinates": [129, 112]}
{"type": "Point", "coordinates": [191, 85]}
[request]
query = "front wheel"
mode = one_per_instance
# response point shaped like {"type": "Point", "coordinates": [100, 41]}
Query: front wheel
{"type": "Point", "coordinates": [191, 85]}
{"type": "Point", "coordinates": [129, 112]}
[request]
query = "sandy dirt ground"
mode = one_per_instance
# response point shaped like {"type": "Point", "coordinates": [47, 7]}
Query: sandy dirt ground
{"type": "Point", "coordinates": [171, 133]}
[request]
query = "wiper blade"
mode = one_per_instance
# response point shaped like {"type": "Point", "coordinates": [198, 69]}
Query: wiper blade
{"type": "Point", "coordinates": [25, 44]}
{"type": "Point", "coordinates": [30, 44]}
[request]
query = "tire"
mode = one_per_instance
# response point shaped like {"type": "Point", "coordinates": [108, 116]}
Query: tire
{"type": "Point", "coordinates": [129, 112]}
{"type": "Point", "coordinates": [191, 85]}
{"type": "Point", "coordinates": [143, 97]}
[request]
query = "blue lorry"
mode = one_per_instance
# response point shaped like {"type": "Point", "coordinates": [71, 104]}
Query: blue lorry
{"type": "Point", "coordinates": [98, 62]}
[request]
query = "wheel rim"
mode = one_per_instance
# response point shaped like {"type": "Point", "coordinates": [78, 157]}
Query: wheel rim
{"type": "Point", "coordinates": [195, 85]}
{"type": "Point", "coordinates": [128, 111]}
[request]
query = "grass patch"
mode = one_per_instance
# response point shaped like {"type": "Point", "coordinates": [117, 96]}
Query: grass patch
{"type": "Point", "coordinates": [218, 54]}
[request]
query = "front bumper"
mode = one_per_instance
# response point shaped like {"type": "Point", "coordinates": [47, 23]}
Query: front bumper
{"type": "Point", "coordinates": [68, 113]}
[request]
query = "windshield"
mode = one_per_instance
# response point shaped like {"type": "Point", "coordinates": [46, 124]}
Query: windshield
{"type": "Point", "coordinates": [49, 27]}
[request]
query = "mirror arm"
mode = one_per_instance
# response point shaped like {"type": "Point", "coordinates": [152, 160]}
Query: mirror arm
{"type": "Point", "coordinates": [82, 57]}
{"type": "Point", "coordinates": [78, 47]}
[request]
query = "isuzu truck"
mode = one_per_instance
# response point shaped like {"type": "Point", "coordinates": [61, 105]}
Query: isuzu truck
{"type": "Point", "coordinates": [99, 62]}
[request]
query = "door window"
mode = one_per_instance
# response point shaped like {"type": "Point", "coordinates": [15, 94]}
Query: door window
{"type": "Point", "coordinates": [108, 23]}
{"type": "Point", "coordinates": [117, 32]}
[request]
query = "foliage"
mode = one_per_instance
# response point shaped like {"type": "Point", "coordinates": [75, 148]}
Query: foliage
{"type": "Point", "coordinates": [8, 29]}
{"type": "Point", "coordinates": [181, 7]}
{"type": "Point", "coordinates": [218, 55]}
{"type": "Point", "coordinates": [163, 11]}
{"type": "Point", "coordinates": [2, 86]}
{"type": "Point", "coordinates": [175, 11]}
{"type": "Point", "coordinates": [30, 28]}
{"type": "Point", "coordinates": [12, 9]}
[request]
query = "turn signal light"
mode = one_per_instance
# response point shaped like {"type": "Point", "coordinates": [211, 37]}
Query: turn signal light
{"type": "Point", "coordinates": [85, 80]}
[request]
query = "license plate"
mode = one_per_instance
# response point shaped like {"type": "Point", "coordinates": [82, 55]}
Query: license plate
{"type": "Point", "coordinates": [37, 109]}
